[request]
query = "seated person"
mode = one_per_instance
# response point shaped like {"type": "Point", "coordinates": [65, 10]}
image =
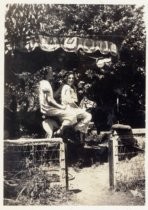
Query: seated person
{"type": "Point", "coordinates": [49, 107]}
{"type": "Point", "coordinates": [69, 98]}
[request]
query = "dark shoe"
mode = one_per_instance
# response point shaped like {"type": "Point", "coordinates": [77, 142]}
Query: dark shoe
{"type": "Point", "coordinates": [58, 133]}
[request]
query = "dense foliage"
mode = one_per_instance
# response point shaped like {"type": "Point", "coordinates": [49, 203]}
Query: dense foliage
{"type": "Point", "coordinates": [123, 80]}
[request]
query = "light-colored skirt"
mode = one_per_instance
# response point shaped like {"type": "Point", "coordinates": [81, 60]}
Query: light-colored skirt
{"type": "Point", "coordinates": [73, 115]}
{"type": "Point", "coordinates": [63, 114]}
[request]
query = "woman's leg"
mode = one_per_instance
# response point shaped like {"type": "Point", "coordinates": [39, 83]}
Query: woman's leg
{"type": "Point", "coordinates": [64, 124]}
{"type": "Point", "coordinates": [84, 118]}
{"type": "Point", "coordinates": [49, 126]}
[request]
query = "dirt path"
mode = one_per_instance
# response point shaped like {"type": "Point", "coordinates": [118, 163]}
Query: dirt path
{"type": "Point", "coordinates": [91, 187]}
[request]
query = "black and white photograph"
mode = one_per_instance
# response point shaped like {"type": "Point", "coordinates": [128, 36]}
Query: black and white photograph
{"type": "Point", "coordinates": [74, 122]}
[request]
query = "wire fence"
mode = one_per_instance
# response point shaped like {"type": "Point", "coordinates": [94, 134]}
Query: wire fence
{"type": "Point", "coordinates": [32, 168]}
{"type": "Point", "coordinates": [127, 159]}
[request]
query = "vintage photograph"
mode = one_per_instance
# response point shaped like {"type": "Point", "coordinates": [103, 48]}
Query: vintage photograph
{"type": "Point", "coordinates": [74, 104]}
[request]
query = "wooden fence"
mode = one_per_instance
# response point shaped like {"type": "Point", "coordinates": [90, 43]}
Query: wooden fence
{"type": "Point", "coordinates": [126, 156]}
{"type": "Point", "coordinates": [23, 155]}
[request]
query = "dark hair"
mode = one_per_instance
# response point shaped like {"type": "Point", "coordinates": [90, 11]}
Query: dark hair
{"type": "Point", "coordinates": [67, 75]}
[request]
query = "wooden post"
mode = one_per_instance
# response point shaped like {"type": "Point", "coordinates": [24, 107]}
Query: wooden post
{"type": "Point", "coordinates": [66, 167]}
{"type": "Point", "coordinates": [113, 159]}
{"type": "Point", "coordinates": [63, 165]}
{"type": "Point", "coordinates": [33, 155]}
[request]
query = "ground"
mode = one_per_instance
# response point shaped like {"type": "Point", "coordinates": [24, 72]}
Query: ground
{"type": "Point", "coordinates": [91, 187]}
{"type": "Point", "coordinates": [88, 184]}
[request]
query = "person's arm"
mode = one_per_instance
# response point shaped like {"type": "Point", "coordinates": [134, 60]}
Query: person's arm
{"type": "Point", "coordinates": [49, 98]}
{"type": "Point", "coordinates": [52, 101]}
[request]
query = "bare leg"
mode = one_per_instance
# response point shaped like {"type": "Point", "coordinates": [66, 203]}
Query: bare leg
{"type": "Point", "coordinates": [65, 123]}
{"type": "Point", "coordinates": [49, 125]}
{"type": "Point", "coordinates": [85, 118]}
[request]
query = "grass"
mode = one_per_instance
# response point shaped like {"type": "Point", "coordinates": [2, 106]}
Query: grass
{"type": "Point", "coordinates": [34, 188]}
{"type": "Point", "coordinates": [131, 175]}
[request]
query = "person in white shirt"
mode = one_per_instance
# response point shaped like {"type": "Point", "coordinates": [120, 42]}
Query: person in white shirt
{"type": "Point", "coordinates": [50, 108]}
{"type": "Point", "coordinates": [69, 98]}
